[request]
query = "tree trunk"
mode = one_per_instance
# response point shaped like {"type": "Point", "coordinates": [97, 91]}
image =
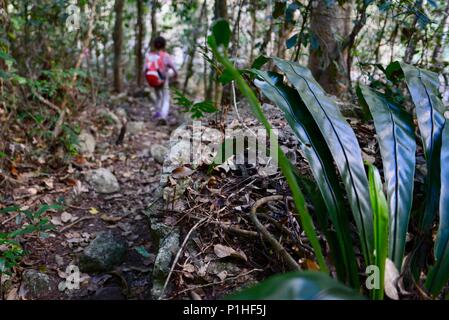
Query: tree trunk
{"type": "Point", "coordinates": [154, 6]}
{"type": "Point", "coordinates": [207, 92]}
{"type": "Point", "coordinates": [282, 35]}
{"type": "Point", "coordinates": [441, 42]}
{"type": "Point", "coordinates": [329, 23]}
{"type": "Point", "coordinates": [118, 43]}
{"type": "Point", "coordinates": [235, 38]}
{"type": "Point", "coordinates": [105, 59]}
{"type": "Point", "coordinates": [221, 12]}
{"type": "Point", "coordinates": [411, 46]}
{"type": "Point", "coordinates": [253, 30]}
{"type": "Point", "coordinates": [97, 58]}
{"type": "Point", "coordinates": [3, 22]}
{"type": "Point", "coordinates": [140, 32]}
{"type": "Point", "coordinates": [221, 9]}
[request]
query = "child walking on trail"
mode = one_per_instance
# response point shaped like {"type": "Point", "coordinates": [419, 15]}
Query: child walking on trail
{"type": "Point", "coordinates": [159, 69]}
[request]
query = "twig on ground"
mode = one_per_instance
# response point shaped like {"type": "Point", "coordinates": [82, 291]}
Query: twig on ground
{"type": "Point", "coordinates": [179, 254]}
{"type": "Point", "coordinates": [217, 282]}
{"type": "Point", "coordinates": [268, 236]}
{"type": "Point", "coordinates": [285, 230]}
{"type": "Point", "coordinates": [63, 110]}
{"type": "Point", "coordinates": [10, 179]}
{"type": "Point", "coordinates": [238, 231]}
{"type": "Point", "coordinates": [10, 218]}
{"type": "Point", "coordinates": [237, 110]}
{"type": "Point", "coordinates": [45, 101]}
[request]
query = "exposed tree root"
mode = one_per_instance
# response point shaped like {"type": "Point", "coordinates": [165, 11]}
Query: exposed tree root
{"type": "Point", "coordinates": [178, 255]}
{"type": "Point", "coordinates": [268, 236]}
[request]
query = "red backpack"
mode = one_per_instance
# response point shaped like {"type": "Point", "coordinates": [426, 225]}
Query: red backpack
{"type": "Point", "coordinates": [155, 68]}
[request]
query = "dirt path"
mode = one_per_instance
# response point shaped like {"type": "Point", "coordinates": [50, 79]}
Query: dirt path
{"type": "Point", "coordinates": [87, 213]}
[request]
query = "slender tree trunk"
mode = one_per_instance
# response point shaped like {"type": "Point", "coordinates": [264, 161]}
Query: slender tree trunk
{"type": "Point", "coordinates": [105, 60]}
{"type": "Point", "coordinates": [393, 37]}
{"type": "Point", "coordinates": [351, 36]}
{"type": "Point", "coordinates": [305, 17]}
{"type": "Point", "coordinates": [221, 12]}
{"type": "Point", "coordinates": [140, 32]}
{"type": "Point", "coordinates": [327, 62]}
{"type": "Point", "coordinates": [441, 43]}
{"type": "Point", "coordinates": [118, 44]}
{"type": "Point", "coordinates": [154, 7]}
{"type": "Point", "coordinates": [236, 30]}
{"type": "Point", "coordinates": [267, 36]}
{"type": "Point", "coordinates": [379, 39]}
{"type": "Point", "coordinates": [27, 38]}
{"type": "Point", "coordinates": [3, 22]}
{"type": "Point", "coordinates": [282, 35]}
{"type": "Point", "coordinates": [193, 46]}
{"type": "Point", "coordinates": [97, 58]}
{"type": "Point", "coordinates": [207, 92]}
{"type": "Point", "coordinates": [221, 9]}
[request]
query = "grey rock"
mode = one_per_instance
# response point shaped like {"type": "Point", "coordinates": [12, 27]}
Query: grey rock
{"type": "Point", "coordinates": [37, 283]}
{"type": "Point", "coordinates": [121, 113]}
{"type": "Point", "coordinates": [134, 127]}
{"type": "Point", "coordinates": [110, 116]}
{"type": "Point", "coordinates": [86, 143]}
{"type": "Point", "coordinates": [158, 229]}
{"type": "Point", "coordinates": [108, 293]}
{"type": "Point", "coordinates": [268, 107]}
{"type": "Point", "coordinates": [216, 267]}
{"type": "Point", "coordinates": [166, 238]}
{"type": "Point", "coordinates": [144, 153]}
{"type": "Point", "coordinates": [167, 251]}
{"type": "Point", "coordinates": [103, 181]}
{"type": "Point", "coordinates": [104, 253]}
{"type": "Point", "coordinates": [158, 152]}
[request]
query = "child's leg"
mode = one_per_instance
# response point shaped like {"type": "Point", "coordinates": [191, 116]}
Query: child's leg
{"type": "Point", "coordinates": [165, 105]}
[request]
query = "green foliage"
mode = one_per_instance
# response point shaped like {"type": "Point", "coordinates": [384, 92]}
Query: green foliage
{"type": "Point", "coordinates": [259, 62]}
{"type": "Point", "coordinates": [196, 109]}
{"type": "Point", "coordinates": [395, 133]}
{"type": "Point", "coordinates": [439, 275]}
{"type": "Point", "coordinates": [221, 33]}
{"type": "Point", "coordinates": [423, 86]}
{"type": "Point", "coordinates": [143, 252]}
{"type": "Point", "coordinates": [286, 167]}
{"type": "Point", "coordinates": [396, 138]}
{"type": "Point", "coordinates": [31, 222]}
{"type": "Point", "coordinates": [298, 286]}
{"type": "Point", "coordinates": [320, 160]}
{"type": "Point", "coordinates": [69, 138]}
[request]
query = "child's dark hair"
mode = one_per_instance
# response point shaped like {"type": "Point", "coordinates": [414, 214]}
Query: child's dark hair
{"type": "Point", "coordinates": [159, 43]}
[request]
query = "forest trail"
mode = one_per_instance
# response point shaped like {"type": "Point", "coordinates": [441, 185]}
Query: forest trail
{"type": "Point", "coordinates": [87, 213]}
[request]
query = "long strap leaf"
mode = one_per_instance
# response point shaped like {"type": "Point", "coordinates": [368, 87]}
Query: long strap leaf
{"type": "Point", "coordinates": [423, 86]}
{"type": "Point", "coordinates": [343, 145]}
{"type": "Point", "coordinates": [303, 285]}
{"type": "Point", "coordinates": [320, 160]}
{"type": "Point", "coordinates": [439, 274]}
{"type": "Point", "coordinates": [395, 134]}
